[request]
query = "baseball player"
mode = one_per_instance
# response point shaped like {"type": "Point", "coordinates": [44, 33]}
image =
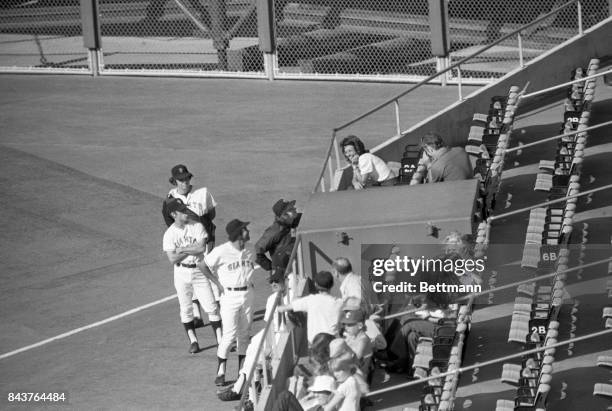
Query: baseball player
{"type": "Point", "coordinates": [231, 267]}
{"type": "Point", "coordinates": [184, 243]}
{"type": "Point", "coordinates": [202, 207]}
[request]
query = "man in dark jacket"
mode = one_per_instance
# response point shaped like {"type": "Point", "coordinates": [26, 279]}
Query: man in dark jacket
{"type": "Point", "coordinates": [278, 239]}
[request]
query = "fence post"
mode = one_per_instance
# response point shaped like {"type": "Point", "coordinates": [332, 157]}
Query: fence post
{"type": "Point", "coordinates": [267, 36]}
{"type": "Point", "coordinates": [92, 40]}
{"type": "Point", "coordinates": [520, 47]}
{"type": "Point", "coordinates": [398, 126]}
{"type": "Point", "coordinates": [579, 12]}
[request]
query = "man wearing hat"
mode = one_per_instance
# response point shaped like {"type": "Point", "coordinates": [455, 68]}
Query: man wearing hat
{"type": "Point", "coordinates": [278, 239]}
{"type": "Point", "coordinates": [201, 206]}
{"type": "Point", "coordinates": [184, 242]}
{"type": "Point", "coordinates": [230, 265]}
{"type": "Point", "coordinates": [199, 201]}
{"type": "Point", "coordinates": [279, 326]}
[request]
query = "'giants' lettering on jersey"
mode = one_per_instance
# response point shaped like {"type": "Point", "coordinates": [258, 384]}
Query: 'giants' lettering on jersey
{"type": "Point", "coordinates": [242, 263]}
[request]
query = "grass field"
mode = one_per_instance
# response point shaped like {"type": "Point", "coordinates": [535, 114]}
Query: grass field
{"type": "Point", "coordinates": [84, 164]}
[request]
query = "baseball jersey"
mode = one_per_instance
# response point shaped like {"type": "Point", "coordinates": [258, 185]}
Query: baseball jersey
{"type": "Point", "coordinates": [199, 201]}
{"type": "Point", "coordinates": [234, 268]}
{"type": "Point", "coordinates": [190, 234]}
{"type": "Point", "coordinates": [323, 313]}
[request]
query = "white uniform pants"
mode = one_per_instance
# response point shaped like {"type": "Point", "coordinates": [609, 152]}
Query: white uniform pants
{"type": "Point", "coordinates": [190, 281]}
{"type": "Point", "coordinates": [237, 317]}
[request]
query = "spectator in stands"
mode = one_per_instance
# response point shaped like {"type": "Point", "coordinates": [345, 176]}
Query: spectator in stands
{"type": "Point", "coordinates": [368, 170]}
{"type": "Point", "coordinates": [350, 390]}
{"type": "Point", "coordinates": [445, 163]}
{"type": "Point", "coordinates": [353, 323]}
{"type": "Point", "coordinates": [421, 323]}
{"type": "Point", "coordinates": [349, 282]}
{"type": "Point", "coordinates": [278, 239]}
{"type": "Point", "coordinates": [323, 309]}
{"type": "Point", "coordinates": [461, 247]}
{"type": "Point", "coordinates": [371, 327]}
{"type": "Point", "coordinates": [279, 326]}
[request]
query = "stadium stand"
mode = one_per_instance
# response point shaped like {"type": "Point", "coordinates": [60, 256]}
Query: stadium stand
{"type": "Point", "coordinates": [539, 321]}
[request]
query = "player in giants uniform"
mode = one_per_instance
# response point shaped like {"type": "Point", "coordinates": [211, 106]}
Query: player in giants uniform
{"type": "Point", "coordinates": [201, 206]}
{"type": "Point", "coordinates": [232, 266]}
{"type": "Point", "coordinates": [184, 243]}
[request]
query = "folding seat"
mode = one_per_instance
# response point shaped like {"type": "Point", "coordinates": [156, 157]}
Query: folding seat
{"type": "Point", "coordinates": [603, 389]}
{"type": "Point", "coordinates": [604, 361]}
{"type": "Point", "coordinates": [511, 373]}
{"type": "Point", "coordinates": [504, 405]}
{"type": "Point", "coordinates": [531, 402]}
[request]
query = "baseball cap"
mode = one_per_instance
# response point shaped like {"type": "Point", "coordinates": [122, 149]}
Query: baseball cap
{"type": "Point", "coordinates": [324, 279]}
{"type": "Point", "coordinates": [176, 204]}
{"type": "Point", "coordinates": [352, 317]}
{"type": "Point", "coordinates": [234, 228]}
{"type": "Point", "coordinates": [180, 172]}
{"type": "Point", "coordinates": [323, 383]}
{"type": "Point", "coordinates": [281, 205]}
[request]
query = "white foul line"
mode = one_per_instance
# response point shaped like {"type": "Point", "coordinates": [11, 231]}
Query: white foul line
{"type": "Point", "coordinates": [87, 327]}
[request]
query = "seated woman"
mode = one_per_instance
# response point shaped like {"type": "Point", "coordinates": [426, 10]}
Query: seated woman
{"type": "Point", "coordinates": [368, 169]}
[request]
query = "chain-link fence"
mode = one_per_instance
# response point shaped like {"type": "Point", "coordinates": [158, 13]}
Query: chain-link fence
{"type": "Point", "coordinates": [180, 35]}
{"type": "Point", "coordinates": [393, 38]}
{"type": "Point", "coordinates": [352, 37]}
{"type": "Point", "coordinates": [347, 39]}
{"type": "Point", "coordinates": [41, 35]}
{"type": "Point", "coordinates": [474, 23]}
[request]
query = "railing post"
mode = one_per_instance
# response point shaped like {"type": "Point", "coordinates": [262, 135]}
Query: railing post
{"type": "Point", "coordinates": [459, 83]}
{"type": "Point", "coordinates": [398, 127]}
{"type": "Point", "coordinates": [520, 49]}
{"type": "Point", "coordinates": [579, 12]}
{"type": "Point", "coordinates": [336, 150]}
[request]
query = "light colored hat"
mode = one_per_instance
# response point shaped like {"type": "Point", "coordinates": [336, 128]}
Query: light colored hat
{"type": "Point", "coordinates": [323, 383]}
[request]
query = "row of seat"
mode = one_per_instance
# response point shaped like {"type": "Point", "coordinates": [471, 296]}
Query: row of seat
{"type": "Point", "coordinates": [560, 177]}
{"type": "Point", "coordinates": [440, 354]}
{"type": "Point", "coordinates": [492, 131]}
{"type": "Point", "coordinates": [604, 389]}
{"type": "Point", "coordinates": [536, 308]}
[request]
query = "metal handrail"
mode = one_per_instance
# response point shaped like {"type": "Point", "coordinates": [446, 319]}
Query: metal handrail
{"type": "Point", "coordinates": [248, 380]}
{"type": "Point", "coordinates": [491, 362]}
{"type": "Point", "coordinates": [439, 73]}
{"type": "Point", "coordinates": [569, 83]}
{"type": "Point", "coordinates": [558, 136]}
{"type": "Point", "coordinates": [547, 203]}
{"type": "Point", "coordinates": [510, 285]}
